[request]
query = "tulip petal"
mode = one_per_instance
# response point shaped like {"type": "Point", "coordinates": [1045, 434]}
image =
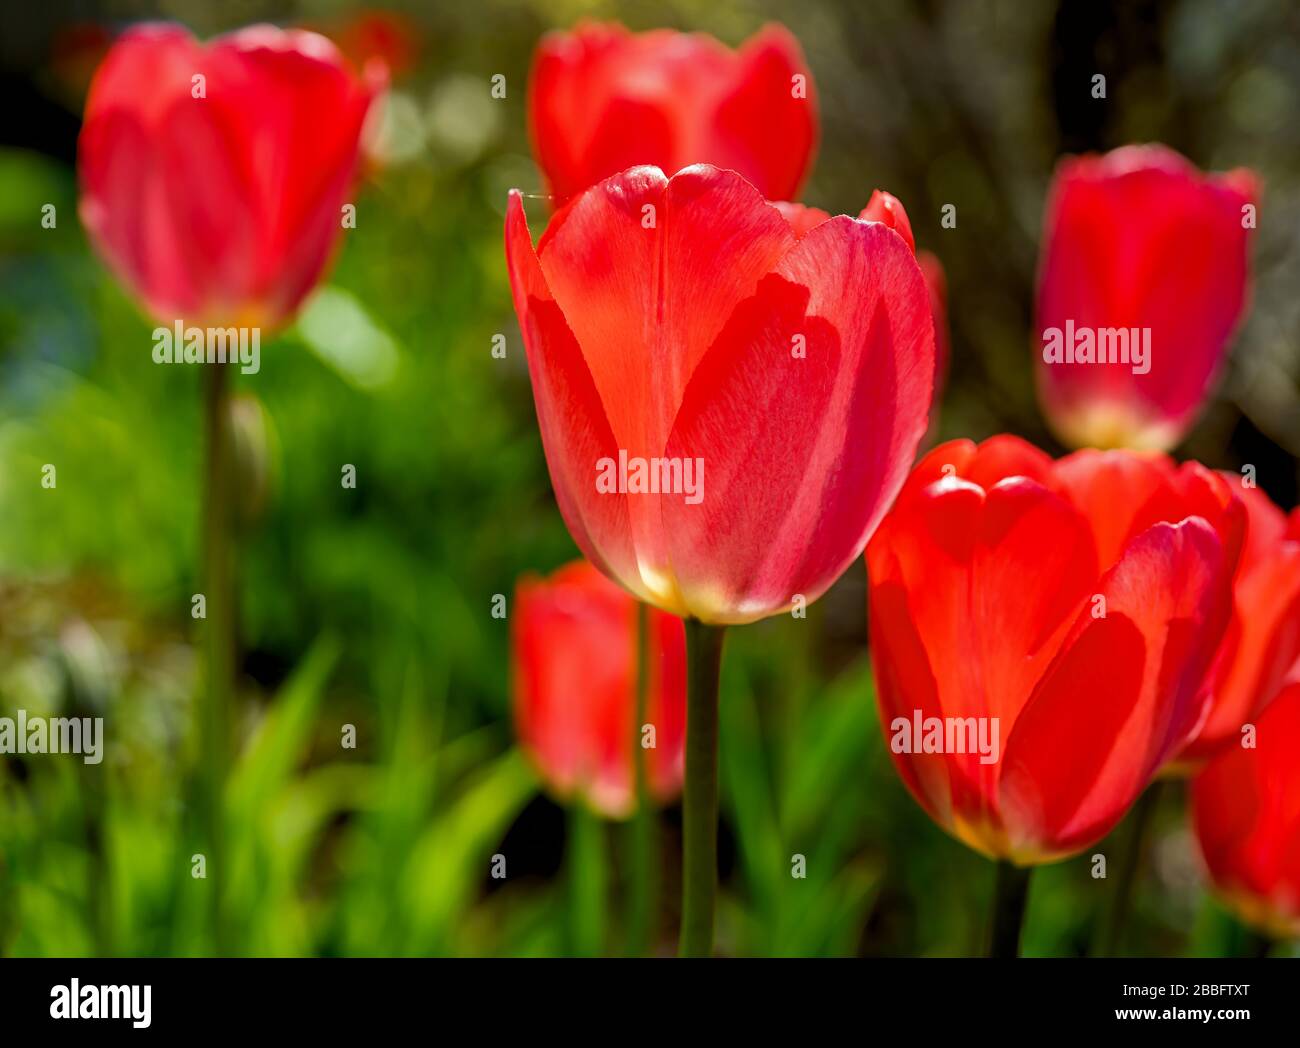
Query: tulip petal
{"type": "Point", "coordinates": [803, 452]}
{"type": "Point", "coordinates": [145, 145]}
{"type": "Point", "coordinates": [570, 415]}
{"type": "Point", "coordinates": [764, 129]}
{"type": "Point", "coordinates": [1123, 695]}
{"type": "Point", "coordinates": [1266, 649]}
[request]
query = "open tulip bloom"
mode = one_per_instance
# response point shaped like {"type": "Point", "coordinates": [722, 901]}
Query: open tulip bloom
{"type": "Point", "coordinates": [728, 404]}
{"type": "Point", "coordinates": [1040, 632]}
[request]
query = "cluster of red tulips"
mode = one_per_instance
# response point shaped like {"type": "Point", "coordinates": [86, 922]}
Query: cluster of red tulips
{"type": "Point", "coordinates": [1100, 620]}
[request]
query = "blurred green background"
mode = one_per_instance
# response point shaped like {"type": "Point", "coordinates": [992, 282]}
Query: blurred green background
{"type": "Point", "coordinates": [371, 607]}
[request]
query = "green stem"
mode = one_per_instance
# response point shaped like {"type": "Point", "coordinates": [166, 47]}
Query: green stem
{"type": "Point", "coordinates": [587, 882]}
{"type": "Point", "coordinates": [1010, 893]}
{"type": "Point", "coordinates": [218, 590]}
{"type": "Point", "coordinates": [700, 799]}
{"type": "Point", "coordinates": [645, 851]}
{"type": "Point", "coordinates": [1128, 856]}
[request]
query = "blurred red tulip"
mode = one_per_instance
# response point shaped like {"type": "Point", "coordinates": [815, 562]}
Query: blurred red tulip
{"type": "Point", "coordinates": [1246, 811]}
{"type": "Point", "coordinates": [213, 176]}
{"type": "Point", "coordinates": [1063, 612]}
{"type": "Point", "coordinates": [602, 99]}
{"type": "Point", "coordinates": [1261, 647]}
{"type": "Point", "coordinates": [367, 36]}
{"type": "Point", "coordinates": [575, 679]}
{"type": "Point", "coordinates": [1139, 250]}
{"type": "Point", "coordinates": [680, 323]}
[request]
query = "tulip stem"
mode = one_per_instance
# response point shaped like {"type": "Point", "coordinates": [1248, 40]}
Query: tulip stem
{"type": "Point", "coordinates": [700, 798]}
{"type": "Point", "coordinates": [1010, 893]}
{"type": "Point", "coordinates": [587, 881]}
{"type": "Point", "coordinates": [1128, 856]}
{"type": "Point", "coordinates": [217, 695]}
{"type": "Point", "coordinates": [645, 854]}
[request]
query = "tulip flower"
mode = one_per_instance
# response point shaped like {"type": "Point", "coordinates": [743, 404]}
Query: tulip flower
{"type": "Point", "coordinates": [213, 176]}
{"type": "Point", "coordinates": [727, 410]}
{"type": "Point", "coordinates": [1144, 278]}
{"type": "Point", "coordinates": [213, 179]}
{"type": "Point", "coordinates": [1246, 813]}
{"type": "Point", "coordinates": [1261, 647]}
{"type": "Point", "coordinates": [574, 647]}
{"type": "Point", "coordinates": [1040, 631]}
{"type": "Point", "coordinates": [778, 385]}
{"type": "Point", "coordinates": [602, 99]}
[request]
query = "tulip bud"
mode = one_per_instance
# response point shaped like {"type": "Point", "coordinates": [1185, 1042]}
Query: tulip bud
{"type": "Point", "coordinates": [602, 99]}
{"type": "Point", "coordinates": [256, 457]}
{"type": "Point", "coordinates": [213, 176]}
{"type": "Point", "coordinates": [1143, 280]}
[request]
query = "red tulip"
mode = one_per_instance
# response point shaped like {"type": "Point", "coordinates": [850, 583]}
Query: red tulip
{"type": "Point", "coordinates": [1261, 647]}
{"type": "Point", "coordinates": [602, 99]}
{"type": "Point", "coordinates": [574, 641]}
{"type": "Point", "coordinates": [213, 176]}
{"type": "Point", "coordinates": [1246, 811]}
{"type": "Point", "coordinates": [681, 324]}
{"type": "Point", "coordinates": [1057, 618]}
{"type": "Point", "coordinates": [1145, 269]}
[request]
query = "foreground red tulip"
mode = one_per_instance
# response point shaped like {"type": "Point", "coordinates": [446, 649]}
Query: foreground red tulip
{"type": "Point", "coordinates": [1246, 812]}
{"type": "Point", "coordinates": [1143, 279]}
{"type": "Point", "coordinates": [1261, 647]}
{"type": "Point", "coordinates": [574, 641]}
{"type": "Point", "coordinates": [213, 176]}
{"type": "Point", "coordinates": [1051, 622]}
{"type": "Point", "coordinates": [602, 99]}
{"type": "Point", "coordinates": [727, 409]}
